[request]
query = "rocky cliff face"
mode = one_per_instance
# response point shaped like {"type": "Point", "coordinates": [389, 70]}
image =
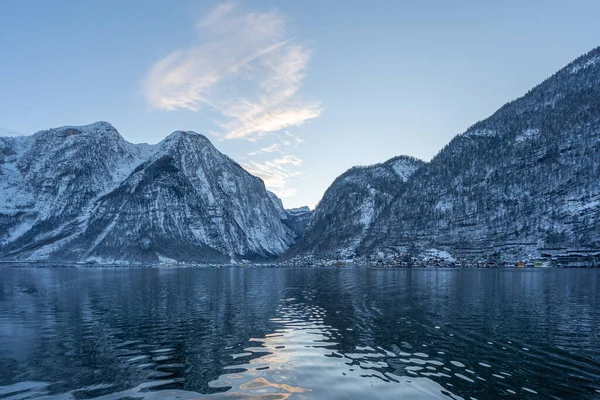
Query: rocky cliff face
{"type": "Point", "coordinates": [355, 200]}
{"type": "Point", "coordinates": [525, 179]}
{"type": "Point", "coordinates": [295, 219]}
{"type": "Point", "coordinates": [84, 193]}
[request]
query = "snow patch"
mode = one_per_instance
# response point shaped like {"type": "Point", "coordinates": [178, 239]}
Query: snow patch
{"type": "Point", "coordinates": [482, 132]}
{"type": "Point", "coordinates": [19, 230]}
{"type": "Point", "coordinates": [589, 63]}
{"type": "Point", "coordinates": [577, 206]}
{"type": "Point", "coordinates": [528, 134]}
{"type": "Point", "coordinates": [439, 254]}
{"type": "Point", "coordinates": [166, 260]}
{"type": "Point", "coordinates": [404, 169]}
{"type": "Point", "coordinates": [443, 205]}
{"type": "Point", "coordinates": [298, 210]}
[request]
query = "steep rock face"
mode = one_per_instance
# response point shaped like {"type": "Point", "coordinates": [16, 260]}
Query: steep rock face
{"type": "Point", "coordinates": [527, 175]}
{"type": "Point", "coordinates": [145, 219]}
{"type": "Point", "coordinates": [352, 203]}
{"type": "Point", "coordinates": [295, 219]}
{"type": "Point", "coordinates": [13, 201]}
{"type": "Point", "coordinates": [188, 202]}
{"type": "Point", "coordinates": [55, 175]}
{"type": "Point", "coordinates": [84, 193]}
{"type": "Point", "coordinates": [278, 204]}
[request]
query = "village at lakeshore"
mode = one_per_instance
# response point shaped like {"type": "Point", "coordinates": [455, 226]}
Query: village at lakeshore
{"type": "Point", "coordinates": [433, 258]}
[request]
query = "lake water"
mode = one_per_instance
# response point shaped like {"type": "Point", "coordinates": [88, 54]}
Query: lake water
{"type": "Point", "coordinates": [299, 333]}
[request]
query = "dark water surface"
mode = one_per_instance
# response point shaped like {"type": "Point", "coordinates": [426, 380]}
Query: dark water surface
{"type": "Point", "coordinates": [276, 333]}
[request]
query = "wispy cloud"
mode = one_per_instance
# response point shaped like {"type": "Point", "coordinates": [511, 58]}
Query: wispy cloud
{"type": "Point", "coordinates": [270, 149]}
{"type": "Point", "coordinates": [277, 167]}
{"type": "Point", "coordinates": [245, 68]}
{"type": "Point", "coordinates": [289, 140]}
{"type": "Point", "coordinates": [293, 139]}
{"type": "Point", "coordinates": [276, 173]}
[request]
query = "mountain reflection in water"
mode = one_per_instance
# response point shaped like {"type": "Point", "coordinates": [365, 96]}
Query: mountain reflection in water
{"type": "Point", "coordinates": [277, 334]}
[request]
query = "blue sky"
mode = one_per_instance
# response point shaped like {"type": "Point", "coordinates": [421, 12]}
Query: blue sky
{"type": "Point", "coordinates": [295, 91]}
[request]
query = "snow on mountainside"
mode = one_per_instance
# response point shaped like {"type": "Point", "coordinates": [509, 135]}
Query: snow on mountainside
{"type": "Point", "coordinates": [344, 216]}
{"type": "Point", "coordinates": [84, 193]}
{"type": "Point", "coordinates": [525, 179]}
{"type": "Point", "coordinates": [522, 181]}
{"type": "Point", "coordinates": [55, 176]}
{"type": "Point", "coordinates": [404, 166]}
{"type": "Point", "coordinates": [296, 219]}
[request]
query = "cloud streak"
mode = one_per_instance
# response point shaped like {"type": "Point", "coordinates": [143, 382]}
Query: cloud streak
{"type": "Point", "coordinates": [270, 149]}
{"type": "Point", "coordinates": [246, 70]}
{"type": "Point", "coordinates": [275, 173]}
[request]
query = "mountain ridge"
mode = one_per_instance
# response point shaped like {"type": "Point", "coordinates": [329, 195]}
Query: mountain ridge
{"type": "Point", "coordinates": [526, 174]}
{"type": "Point", "coordinates": [83, 193]}
{"type": "Point", "coordinates": [359, 195]}
{"type": "Point", "coordinates": [524, 180]}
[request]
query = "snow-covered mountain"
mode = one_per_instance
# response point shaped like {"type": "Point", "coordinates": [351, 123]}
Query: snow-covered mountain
{"type": "Point", "coordinates": [354, 201]}
{"type": "Point", "coordinates": [84, 193]}
{"type": "Point", "coordinates": [524, 180]}
{"type": "Point", "coordinates": [296, 219]}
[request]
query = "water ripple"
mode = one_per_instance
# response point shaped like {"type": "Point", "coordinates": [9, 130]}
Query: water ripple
{"type": "Point", "coordinates": [277, 334]}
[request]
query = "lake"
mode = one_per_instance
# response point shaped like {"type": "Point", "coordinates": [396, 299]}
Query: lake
{"type": "Point", "coordinates": [109, 333]}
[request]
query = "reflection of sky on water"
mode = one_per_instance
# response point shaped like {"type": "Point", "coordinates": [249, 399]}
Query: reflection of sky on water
{"type": "Point", "coordinates": [301, 359]}
{"type": "Point", "coordinates": [250, 333]}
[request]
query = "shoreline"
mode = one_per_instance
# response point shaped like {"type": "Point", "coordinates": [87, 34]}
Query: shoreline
{"type": "Point", "coordinates": [374, 266]}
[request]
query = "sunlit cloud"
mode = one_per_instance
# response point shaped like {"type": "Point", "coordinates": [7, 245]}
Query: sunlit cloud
{"type": "Point", "coordinates": [288, 159]}
{"type": "Point", "coordinates": [270, 149]}
{"type": "Point", "coordinates": [276, 173]}
{"type": "Point", "coordinates": [293, 139]}
{"type": "Point", "coordinates": [288, 141]}
{"type": "Point", "coordinates": [246, 69]}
